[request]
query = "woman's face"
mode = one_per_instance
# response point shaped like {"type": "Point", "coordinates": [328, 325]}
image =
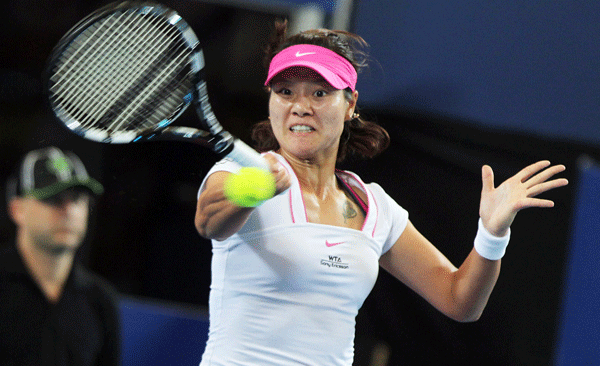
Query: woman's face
{"type": "Point", "coordinates": [307, 114]}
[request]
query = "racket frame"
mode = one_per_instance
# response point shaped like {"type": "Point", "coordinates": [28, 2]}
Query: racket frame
{"type": "Point", "coordinates": [212, 135]}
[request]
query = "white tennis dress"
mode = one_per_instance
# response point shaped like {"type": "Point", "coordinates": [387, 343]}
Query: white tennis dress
{"type": "Point", "coordinates": [286, 291]}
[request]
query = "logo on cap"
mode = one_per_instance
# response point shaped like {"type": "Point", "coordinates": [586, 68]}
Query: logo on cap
{"type": "Point", "coordinates": [58, 165]}
{"type": "Point", "coordinates": [298, 54]}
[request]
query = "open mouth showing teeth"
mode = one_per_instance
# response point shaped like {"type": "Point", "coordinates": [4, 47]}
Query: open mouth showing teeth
{"type": "Point", "coordinates": [300, 128]}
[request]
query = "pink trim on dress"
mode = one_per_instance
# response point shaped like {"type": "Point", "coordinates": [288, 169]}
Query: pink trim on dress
{"type": "Point", "coordinates": [290, 189]}
{"type": "Point", "coordinates": [302, 198]}
{"type": "Point", "coordinates": [376, 218]}
{"type": "Point", "coordinates": [364, 188]}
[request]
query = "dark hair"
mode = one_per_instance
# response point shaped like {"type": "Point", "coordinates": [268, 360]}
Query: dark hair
{"type": "Point", "coordinates": [359, 137]}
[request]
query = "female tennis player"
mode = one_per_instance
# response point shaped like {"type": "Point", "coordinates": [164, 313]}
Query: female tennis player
{"type": "Point", "coordinates": [289, 276]}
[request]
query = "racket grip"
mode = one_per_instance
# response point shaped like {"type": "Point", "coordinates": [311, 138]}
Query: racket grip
{"type": "Point", "coordinates": [247, 156]}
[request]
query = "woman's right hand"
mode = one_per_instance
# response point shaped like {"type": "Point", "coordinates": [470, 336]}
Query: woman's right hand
{"type": "Point", "coordinates": [216, 216]}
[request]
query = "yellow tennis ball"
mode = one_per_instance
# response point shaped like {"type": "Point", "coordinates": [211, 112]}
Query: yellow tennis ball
{"type": "Point", "coordinates": [249, 187]}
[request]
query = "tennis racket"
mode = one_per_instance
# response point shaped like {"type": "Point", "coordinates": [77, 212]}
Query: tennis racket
{"type": "Point", "coordinates": [127, 71]}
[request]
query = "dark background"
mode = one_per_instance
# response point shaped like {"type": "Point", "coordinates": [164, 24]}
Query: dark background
{"type": "Point", "coordinates": [142, 236]}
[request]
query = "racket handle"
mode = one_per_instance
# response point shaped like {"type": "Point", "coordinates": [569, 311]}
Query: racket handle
{"type": "Point", "coordinates": [247, 156]}
{"type": "Point", "coordinates": [224, 144]}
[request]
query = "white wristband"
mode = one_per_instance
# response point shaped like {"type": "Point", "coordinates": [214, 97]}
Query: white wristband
{"type": "Point", "coordinates": [489, 246]}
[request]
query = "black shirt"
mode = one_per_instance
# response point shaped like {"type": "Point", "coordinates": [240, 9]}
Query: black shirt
{"type": "Point", "coordinates": [81, 329]}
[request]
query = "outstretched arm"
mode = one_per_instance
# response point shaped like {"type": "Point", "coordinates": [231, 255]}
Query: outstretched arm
{"type": "Point", "coordinates": [462, 293]}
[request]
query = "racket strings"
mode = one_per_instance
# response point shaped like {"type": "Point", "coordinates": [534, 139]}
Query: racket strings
{"type": "Point", "coordinates": [115, 64]}
{"type": "Point", "coordinates": [82, 82]}
{"type": "Point", "coordinates": [129, 83]}
{"type": "Point", "coordinates": [156, 95]}
{"type": "Point", "coordinates": [122, 64]}
{"type": "Point", "coordinates": [161, 47]}
{"type": "Point", "coordinates": [76, 58]}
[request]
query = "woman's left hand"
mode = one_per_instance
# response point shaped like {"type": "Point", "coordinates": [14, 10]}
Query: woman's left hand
{"type": "Point", "coordinates": [499, 206]}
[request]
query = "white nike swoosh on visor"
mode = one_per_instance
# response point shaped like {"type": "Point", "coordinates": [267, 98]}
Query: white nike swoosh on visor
{"type": "Point", "coordinates": [298, 54]}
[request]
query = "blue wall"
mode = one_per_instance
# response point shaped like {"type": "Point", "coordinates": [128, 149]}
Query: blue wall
{"type": "Point", "coordinates": [159, 334]}
{"type": "Point", "coordinates": [528, 66]}
{"type": "Point", "coordinates": [327, 5]}
{"type": "Point", "coordinates": [578, 338]}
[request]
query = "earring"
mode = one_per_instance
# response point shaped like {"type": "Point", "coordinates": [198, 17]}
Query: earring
{"type": "Point", "coordinates": [355, 115]}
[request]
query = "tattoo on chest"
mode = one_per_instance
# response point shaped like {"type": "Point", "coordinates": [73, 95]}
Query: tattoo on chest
{"type": "Point", "coordinates": [349, 211]}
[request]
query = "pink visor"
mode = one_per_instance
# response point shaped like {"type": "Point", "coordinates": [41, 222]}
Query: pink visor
{"type": "Point", "coordinates": [334, 68]}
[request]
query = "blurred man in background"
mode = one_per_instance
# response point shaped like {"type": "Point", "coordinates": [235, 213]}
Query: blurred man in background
{"type": "Point", "coordinates": [53, 311]}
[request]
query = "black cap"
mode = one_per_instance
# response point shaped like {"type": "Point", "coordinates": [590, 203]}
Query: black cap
{"type": "Point", "coordinates": [46, 172]}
